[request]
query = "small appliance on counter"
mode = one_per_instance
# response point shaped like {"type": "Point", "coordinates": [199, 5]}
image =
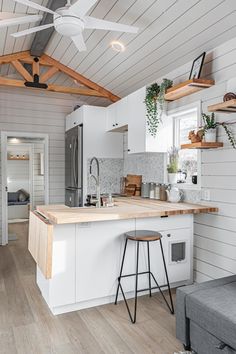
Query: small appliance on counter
{"type": "Point", "coordinates": [174, 195]}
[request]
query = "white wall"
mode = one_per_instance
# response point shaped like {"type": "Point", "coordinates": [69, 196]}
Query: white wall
{"type": "Point", "coordinates": [215, 234]}
{"type": "Point", "coordinates": [35, 111]}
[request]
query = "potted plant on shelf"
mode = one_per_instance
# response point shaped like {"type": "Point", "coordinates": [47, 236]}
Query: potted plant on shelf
{"type": "Point", "coordinates": [155, 101]}
{"type": "Point", "coordinates": [172, 167]}
{"type": "Point", "coordinates": [210, 128]}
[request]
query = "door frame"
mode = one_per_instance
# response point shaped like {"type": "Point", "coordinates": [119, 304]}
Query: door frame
{"type": "Point", "coordinates": [4, 137]}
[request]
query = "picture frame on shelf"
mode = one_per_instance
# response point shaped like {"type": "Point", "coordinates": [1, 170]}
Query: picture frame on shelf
{"type": "Point", "coordinates": [196, 69]}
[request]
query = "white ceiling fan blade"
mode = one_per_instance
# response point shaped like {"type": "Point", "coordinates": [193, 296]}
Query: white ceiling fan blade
{"type": "Point", "coordinates": [81, 7]}
{"type": "Point", "coordinates": [35, 6]}
{"type": "Point", "coordinates": [20, 20]}
{"type": "Point", "coordinates": [31, 30]}
{"type": "Point", "coordinates": [79, 42]}
{"type": "Point", "coordinates": [6, 15]}
{"type": "Point", "coordinates": [96, 23]}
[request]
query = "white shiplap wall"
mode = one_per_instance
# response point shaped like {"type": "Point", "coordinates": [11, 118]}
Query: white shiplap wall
{"type": "Point", "coordinates": [24, 110]}
{"type": "Point", "coordinates": [215, 234]}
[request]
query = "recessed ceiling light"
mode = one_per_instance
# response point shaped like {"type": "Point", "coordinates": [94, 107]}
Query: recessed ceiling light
{"type": "Point", "coordinates": [117, 46]}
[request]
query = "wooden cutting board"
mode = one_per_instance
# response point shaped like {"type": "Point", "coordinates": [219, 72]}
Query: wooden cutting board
{"type": "Point", "coordinates": [133, 180]}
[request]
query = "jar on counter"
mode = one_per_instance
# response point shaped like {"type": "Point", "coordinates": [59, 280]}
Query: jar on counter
{"type": "Point", "coordinates": [145, 190]}
{"type": "Point", "coordinates": [152, 190]}
{"type": "Point", "coordinates": [157, 191]}
{"type": "Point", "coordinates": [163, 194]}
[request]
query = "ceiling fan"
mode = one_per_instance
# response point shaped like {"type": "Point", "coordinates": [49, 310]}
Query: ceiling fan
{"type": "Point", "coordinates": [69, 21]}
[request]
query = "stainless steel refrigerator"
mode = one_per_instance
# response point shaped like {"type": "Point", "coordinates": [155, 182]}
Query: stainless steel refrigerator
{"type": "Point", "coordinates": [74, 167]}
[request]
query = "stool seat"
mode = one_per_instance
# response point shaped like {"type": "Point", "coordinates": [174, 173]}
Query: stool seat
{"type": "Point", "coordinates": [143, 235]}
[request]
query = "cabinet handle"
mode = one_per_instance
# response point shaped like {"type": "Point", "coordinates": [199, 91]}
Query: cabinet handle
{"type": "Point", "coordinates": [168, 235]}
{"type": "Point", "coordinates": [128, 150]}
{"type": "Point", "coordinates": [116, 123]}
{"type": "Point", "coordinates": [74, 123]}
{"type": "Point", "coordinates": [113, 125]}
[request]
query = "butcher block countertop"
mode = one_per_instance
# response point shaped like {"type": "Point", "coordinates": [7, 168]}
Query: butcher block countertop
{"type": "Point", "coordinates": [125, 208]}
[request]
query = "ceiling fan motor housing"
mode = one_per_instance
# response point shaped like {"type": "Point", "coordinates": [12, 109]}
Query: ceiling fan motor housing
{"type": "Point", "coordinates": [67, 24]}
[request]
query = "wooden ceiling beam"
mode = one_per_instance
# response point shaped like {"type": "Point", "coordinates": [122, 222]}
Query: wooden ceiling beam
{"type": "Point", "coordinates": [49, 74]}
{"type": "Point", "coordinates": [80, 78]}
{"type": "Point", "coordinates": [35, 67]}
{"type": "Point", "coordinates": [5, 59]}
{"type": "Point", "coordinates": [21, 70]}
{"type": "Point", "coordinates": [54, 88]}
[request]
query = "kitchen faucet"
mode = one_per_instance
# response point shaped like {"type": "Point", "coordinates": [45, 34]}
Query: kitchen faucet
{"type": "Point", "coordinates": [97, 181]}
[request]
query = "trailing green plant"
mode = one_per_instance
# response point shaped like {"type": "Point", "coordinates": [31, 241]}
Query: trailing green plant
{"type": "Point", "coordinates": [229, 134]}
{"type": "Point", "coordinates": [210, 123]}
{"type": "Point", "coordinates": [166, 83]}
{"type": "Point", "coordinates": [151, 108]}
{"type": "Point", "coordinates": [154, 100]}
{"type": "Point", "coordinates": [173, 160]}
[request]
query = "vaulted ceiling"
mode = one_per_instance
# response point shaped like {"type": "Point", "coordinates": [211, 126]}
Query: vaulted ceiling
{"type": "Point", "coordinates": [172, 32]}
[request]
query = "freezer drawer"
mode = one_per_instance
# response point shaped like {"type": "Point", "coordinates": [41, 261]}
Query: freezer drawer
{"type": "Point", "coordinates": [74, 198]}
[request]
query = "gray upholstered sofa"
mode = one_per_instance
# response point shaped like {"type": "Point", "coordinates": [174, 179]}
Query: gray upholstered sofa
{"type": "Point", "coordinates": [206, 316]}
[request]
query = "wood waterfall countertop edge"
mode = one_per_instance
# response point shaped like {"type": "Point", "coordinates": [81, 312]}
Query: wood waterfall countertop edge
{"type": "Point", "coordinates": [125, 208]}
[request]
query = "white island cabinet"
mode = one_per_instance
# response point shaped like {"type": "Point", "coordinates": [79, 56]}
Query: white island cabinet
{"type": "Point", "coordinates": [87, 256]}
{"type": "Point", "coordinates": [78, 251]}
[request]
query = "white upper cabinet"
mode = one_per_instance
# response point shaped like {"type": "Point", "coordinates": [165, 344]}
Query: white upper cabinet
{"type": "Point", "coordinates": [117, 115]}
{"type": "Point", "coordinates": [139, 138]}
{"type": "Point", "coordinates": [97, 142]}
{"type": "Point", "coordinates": [74, 119]}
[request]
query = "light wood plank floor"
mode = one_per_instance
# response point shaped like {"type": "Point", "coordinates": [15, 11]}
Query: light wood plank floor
{"type": "Point", "coordinates": [27, 326]}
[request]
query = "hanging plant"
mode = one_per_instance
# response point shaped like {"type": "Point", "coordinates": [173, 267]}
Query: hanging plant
{"type": "Point", "coordinates": [151, 108]}
{"type": "Point", "coordinates": [154, 100]}
{"type": "Point", "coordinates": [166, 83]}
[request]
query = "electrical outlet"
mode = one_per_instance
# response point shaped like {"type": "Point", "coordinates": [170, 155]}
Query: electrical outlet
{"type": "Point", "coordinates": [206, 194]}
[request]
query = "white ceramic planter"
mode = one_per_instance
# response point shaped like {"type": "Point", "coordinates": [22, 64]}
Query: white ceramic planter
{"type": "Point", "coordinates": [210, 136]}
{"type": "Point", "coordinates": [173, 178]}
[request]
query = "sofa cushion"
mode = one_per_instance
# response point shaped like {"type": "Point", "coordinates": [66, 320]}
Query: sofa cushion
{"type": "Point", "coordinates": [214, 309]}
{"type": "Point", "coordinates": [13, 197]}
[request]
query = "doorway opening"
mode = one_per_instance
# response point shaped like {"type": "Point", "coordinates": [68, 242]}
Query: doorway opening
{"type": "Point", "coordinates": [24, 162]}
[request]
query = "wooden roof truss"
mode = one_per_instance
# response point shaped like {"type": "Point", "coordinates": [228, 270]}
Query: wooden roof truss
{"type": "Point", "coordinates": [40, 81]}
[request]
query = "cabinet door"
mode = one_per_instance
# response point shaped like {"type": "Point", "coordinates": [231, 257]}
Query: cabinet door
{"type": "Point", "coordinates": [137, 122]}
{"type": "Point", "coordinates": [74, 119]}
{"type": "Point", "coordinates": [111, 117]}
{"type": "Point", "coordinates": [99, 249]}
{"type": "Point", "coordinates": [178, 253]}
{"type": "Point", "coordinates": [122, 112]}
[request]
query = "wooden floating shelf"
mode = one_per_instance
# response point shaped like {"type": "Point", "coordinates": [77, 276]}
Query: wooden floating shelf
{"type": "Point", "coordinates": [227, 107]}
{"type": "Point", "coordinates": [187, 88]}
{"type": "Point", "coordinates": [202, 145]}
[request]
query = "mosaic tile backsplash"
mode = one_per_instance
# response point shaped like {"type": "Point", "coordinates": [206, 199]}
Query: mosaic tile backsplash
{"type": "Point", "coordinates": [111, 171]}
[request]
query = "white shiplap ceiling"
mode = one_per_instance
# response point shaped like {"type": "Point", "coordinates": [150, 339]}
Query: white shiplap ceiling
{"type": "Point", "coordinates": [172, 32]}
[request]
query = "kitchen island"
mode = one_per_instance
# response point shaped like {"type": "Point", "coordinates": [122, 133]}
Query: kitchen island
{"type": "Point", "coordinates": [78, 250]}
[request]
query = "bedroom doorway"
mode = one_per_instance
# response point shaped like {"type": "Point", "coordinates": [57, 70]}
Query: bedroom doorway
{"type": "Point", "coordinates": [24, 160]}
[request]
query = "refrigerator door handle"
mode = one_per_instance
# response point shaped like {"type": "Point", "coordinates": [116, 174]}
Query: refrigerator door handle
{"type": "Point", "coordinates": [74, 163]}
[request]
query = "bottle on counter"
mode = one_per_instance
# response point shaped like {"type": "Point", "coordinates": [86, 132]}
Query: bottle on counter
{"type": "Point", "coordinates": [157, 191]}
{"type": "Point", "coordinates": [152, 190]}
{"type": "Point", "coordinates": [145, 190]}
{"type": "Point", "coordinates": [163, 194]}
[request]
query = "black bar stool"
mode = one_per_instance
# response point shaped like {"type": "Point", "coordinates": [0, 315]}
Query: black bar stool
{"type": "Point", "coordinates": [143, 236]}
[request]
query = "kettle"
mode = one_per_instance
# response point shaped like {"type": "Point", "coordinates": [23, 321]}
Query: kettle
{"type": "Point", "coordinates": [174, 195]}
